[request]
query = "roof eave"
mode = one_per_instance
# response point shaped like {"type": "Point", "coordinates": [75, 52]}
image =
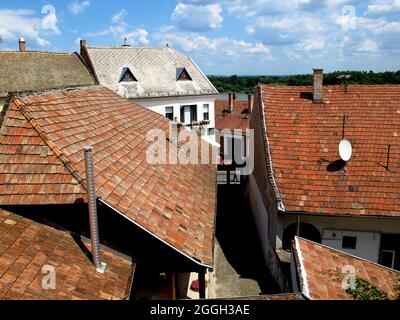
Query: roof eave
{"type": "Point", "coordinates": [321, 214]}
{"type": "Point", "coordinates": [203, 265]}
{"type": "Point", "coordinates": [269, 164]}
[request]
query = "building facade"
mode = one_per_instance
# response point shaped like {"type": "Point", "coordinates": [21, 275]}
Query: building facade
{"type": "Point", "coordinates": [301, 185]}
{"type": "Point", "coordinates": [158, 78]}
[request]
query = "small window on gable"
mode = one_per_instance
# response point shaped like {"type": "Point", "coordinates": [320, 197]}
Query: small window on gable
{"type": "Point", "coordinates": [127, 75]}
{"type": "Point", "coordinates": [182, 75]}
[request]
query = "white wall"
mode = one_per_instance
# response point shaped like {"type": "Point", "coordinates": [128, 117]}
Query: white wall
{"type": "Point", "coordinates": [367, 230]}
{"type": "Point", "coordinates": [367, 247]}
{"type": "Point", "coordinates": [158, 105]}
{"type": "Point", "coordinates": [260, 215]}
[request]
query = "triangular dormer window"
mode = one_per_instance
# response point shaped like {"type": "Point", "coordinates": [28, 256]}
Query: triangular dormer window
{"type": "Point", "coordinates": [127, 75]}
{"type": "Point", "coordinates": [182, 75]}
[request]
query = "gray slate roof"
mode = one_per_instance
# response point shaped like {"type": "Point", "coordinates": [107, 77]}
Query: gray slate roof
{"type": "Point", "coordinates": [155, 69]}
{"type": "Point", "coordinates": [38, 71]}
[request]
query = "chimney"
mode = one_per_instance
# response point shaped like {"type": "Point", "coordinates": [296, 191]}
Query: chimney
{"type": "Point", "coordinates": [92, 200]}
{"type": "Point", "coordinates": [249, 102]}
{"type": "Point", "coordinates": [230, 101]}
{"type": "Point", "coordinates": [317, 85]}
{"type": "Point", "coordinates": [22, 44]}
{"type": "Point", "coordinates": [82, 44]}
{"type": "Point", "coordinates": [234, 95]}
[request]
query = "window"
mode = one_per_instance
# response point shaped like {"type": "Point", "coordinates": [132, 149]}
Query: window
{"type": "Point", "coordinates": [169, 113]}
{"type": "Point", "coordinates": [127, 76]}
{"type": "Point", "coordinates": [182, 75]}
{"type": "Point", "coordinates": [206, 115]}
{"type": "Point", "coordinates": [188, 114]}
{"type": "Point", "coordinates": [349, 242]}
{"type": "Point", "coordinates": [388, 258]}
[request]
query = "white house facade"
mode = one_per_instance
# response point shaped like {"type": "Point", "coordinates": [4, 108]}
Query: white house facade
{"type": "Point", "coordinates": [158, 78]}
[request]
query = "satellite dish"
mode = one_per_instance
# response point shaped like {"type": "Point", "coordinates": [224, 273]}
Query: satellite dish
{"type": "Point", "coordinates": [345, 149]}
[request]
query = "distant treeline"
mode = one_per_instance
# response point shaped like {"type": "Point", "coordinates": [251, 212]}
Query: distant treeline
{"type": "Point", "coordinates": [246, 84]}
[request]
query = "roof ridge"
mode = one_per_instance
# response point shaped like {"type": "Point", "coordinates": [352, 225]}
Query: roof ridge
{"type": "Point", "coordinates": [35, 51]}
{"type": "Point", "coordinates": [126, 47]}
{"type": "Point", "coordinates": [53, 147]}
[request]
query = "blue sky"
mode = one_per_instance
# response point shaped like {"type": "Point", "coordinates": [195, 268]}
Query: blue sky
{"type": "Point", "coordinates": [224, 36]}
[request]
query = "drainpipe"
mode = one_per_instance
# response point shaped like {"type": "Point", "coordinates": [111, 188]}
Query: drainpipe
{"type": "Point", "coordinates": [92, 200]}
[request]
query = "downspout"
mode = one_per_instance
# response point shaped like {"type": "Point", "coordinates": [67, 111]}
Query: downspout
{"type": "Point", "coordinates": [92, 201]}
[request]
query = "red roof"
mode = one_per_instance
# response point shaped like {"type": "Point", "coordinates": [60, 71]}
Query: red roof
{"type": "Point", "coordinates": [321, 272]}
{"type": "Point", "coordinates": [26, 247]}
{"type": "Point", "coordinates": [303, 140]}
{"type": "Point", "coordinates": [239, 118]}
{"type": "Point", "coordinates": [42, 162]}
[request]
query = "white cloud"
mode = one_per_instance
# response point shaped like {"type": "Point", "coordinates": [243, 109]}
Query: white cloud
{"type": "Point", "coordinates": [383, 7]}
{"type": "Point", "coordinates": [119, 17]}
{"type": "Point", "coordinates": [119, 29]}
{"type": "Point", "coordinates": [368, 46]}
{"type": "Point", "coordinates": [191, 17]}
{"type": "Point", "coordinates": [77, 7]}
{"type": "Point", "coordinates": [138, 36]}
{"type": "Point", "coordinates": [24, 23]}
{"type": "Point", "coordinates": [195, 43]}
{"type": "Point", "coordinates": [49, 21]}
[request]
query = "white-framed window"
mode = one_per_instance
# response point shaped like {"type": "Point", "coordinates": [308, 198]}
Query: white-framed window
{"type": "Point", "coordinates": [206, 110]}
{"type": "Point", "coordinates": [169, 113]}
{"type": "Point", "coordinates": [188, 114]}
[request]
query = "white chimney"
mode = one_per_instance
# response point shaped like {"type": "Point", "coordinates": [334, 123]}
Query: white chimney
{"type": "Point", "coordinates": [92, 201]}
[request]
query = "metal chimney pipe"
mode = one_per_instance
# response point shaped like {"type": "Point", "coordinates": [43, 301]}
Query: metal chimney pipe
{"type": "Point", "coordinates": [92, 201]}
{"type": "Point", "coordinates": [230, 101]}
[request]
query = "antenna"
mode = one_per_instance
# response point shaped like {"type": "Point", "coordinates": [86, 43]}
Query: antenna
{"type": "Point", "coordinates": [342, 78]}
{"type": "Point", "coordinates": [125, 43]}
{"type": "Point", "coordinates": [345, 150]}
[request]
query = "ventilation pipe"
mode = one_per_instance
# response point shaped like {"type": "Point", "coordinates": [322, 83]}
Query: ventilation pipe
{"type": "Point", "coordinates": [249, 103]}
{"type": "Point", "coordinates": [230, 101]}
{"type": "Point", "coordinates": [94, 227]}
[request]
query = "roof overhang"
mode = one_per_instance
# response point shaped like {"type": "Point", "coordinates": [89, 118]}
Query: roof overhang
{"type": "Point", "coordinates": [155, 236]}
{"type": "Point", "coordinates": [338, 215]}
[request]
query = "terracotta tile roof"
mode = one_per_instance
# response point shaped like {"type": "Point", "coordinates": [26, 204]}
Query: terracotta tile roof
{"type": "Point", "coordinates": [239, 118]}
{"type": "Point", "coordinates": [304, 137]}
{"type": "Point", "coordinates": [176, 203]}
{"type": "Point", "coordinates": [32, 70]}
{"type": "Point", "coordinates": [320, 272]}
{"type": "Point", "coordinates": [27, 246]}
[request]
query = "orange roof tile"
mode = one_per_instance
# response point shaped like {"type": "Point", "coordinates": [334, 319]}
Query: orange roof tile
{"type": "Point", "coordinates": [304, 137]}
{"type": "Point", "coordinates": [175, 203]}
{"type": "Point", "coordinates": [239, 118]}
{"type": "Point", "coordinates": [321, 275]}
{"type": "Point", "coordinates": [27, 246]}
